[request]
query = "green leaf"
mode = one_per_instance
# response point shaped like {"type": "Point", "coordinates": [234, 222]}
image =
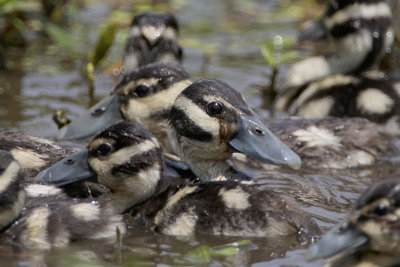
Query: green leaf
{"type": "Point", "coordinates": [268, 54]}
{"type": "Point", "coordinates": [289, 56]}
{"type": "Point", "coordinates": [60, 36]}
{"type": "Point", "coordinates": [201, 254]}
{"type": "Point", "coordinates": [105, 41]}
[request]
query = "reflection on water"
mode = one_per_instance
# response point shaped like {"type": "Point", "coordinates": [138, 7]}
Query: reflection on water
{"type": "Point", "coordinates": [42, 82]}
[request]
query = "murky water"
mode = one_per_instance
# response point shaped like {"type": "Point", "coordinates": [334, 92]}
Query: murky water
{"type": "Point", "coordinates": [45, 79]}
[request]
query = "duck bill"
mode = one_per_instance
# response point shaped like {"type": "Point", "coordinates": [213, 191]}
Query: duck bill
{"type": "Point", "coordinates": [314, 31]}
{"type": "Point", "coordinates": [254, 139]}
{"type": "Point", "coordinates": [103, 114]}
{"type": "Point", "coordinates": [69, 170]}
{"type": "Point", "coordinates": [342, 238]}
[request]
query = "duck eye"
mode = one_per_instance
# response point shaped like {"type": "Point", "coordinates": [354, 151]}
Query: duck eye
{"type": "Point", "coordinates": [380, 210]}
{"type": "Point", "coordinates": [214, 108]}
{"type": "Point", "coordinates": [142, 90]}
{"type": "Point", "coordinates": [104, 149]}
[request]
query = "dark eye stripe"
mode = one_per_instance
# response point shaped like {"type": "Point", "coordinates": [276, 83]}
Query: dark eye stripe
{"type": "Point", "coordinates": [186, 127]}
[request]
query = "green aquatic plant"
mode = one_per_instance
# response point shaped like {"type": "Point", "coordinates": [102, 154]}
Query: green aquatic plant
{"type": "Point", "coordinates": [275, 53]}
{"type": "Point", "coordinates": [203, 254]}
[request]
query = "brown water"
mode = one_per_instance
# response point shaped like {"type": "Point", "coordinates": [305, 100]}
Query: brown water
{"type": "Point", "coordinates": [45, 77]}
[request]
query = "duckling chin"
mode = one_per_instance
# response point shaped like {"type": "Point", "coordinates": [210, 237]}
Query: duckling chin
{"type": "Point", "coordinates": [42, 217]}
{"type": "Point", "coordinates": [153, 38]}
{"type": "Point", "coordinates": [129, 160]}
{"type": "Point", "coordinates": [359, 31]}
{"type": "Point", "coordinates": [370, 236]}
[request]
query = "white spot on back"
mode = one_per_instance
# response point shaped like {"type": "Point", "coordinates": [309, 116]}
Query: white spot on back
{"type": "Point", "coordinates": [318, 108]}
{"type": "Point", "coordinates": [373, 100]}
{"type": "Point", "coordinates": [172, 201]}
{"type": "Point", "coordinates": [184, 224]}
{"type": "Point", "coordinates": [315, 137]}
{"type": "Point", "coordinates": [29, 159]}
{"type": "Point", "coordinates": [110, 229]}
{"type": "Point", "coordinates": [40, 190]}
{"type": "Point", "coordinates": [235, 198]}
{"type": "Point", "coordinates": [35, 234]}
{"type": "Point", "coordinates": [86, 211]}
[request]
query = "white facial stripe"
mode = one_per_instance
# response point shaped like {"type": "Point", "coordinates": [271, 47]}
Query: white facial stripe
{"type": "Point", "coordinates": [317, 137]}
{"type": "Point", "coordinates": [40, 190]}
{"type": "Point", "coordinates": [184, 224]}
{"type": "Point", "coordinates": [170, 33]}
{"type": "Point", "coordinates": [317, 108]}
{"type": "Point", "coordinates": [86, 211]}
{"type": "Point", "coordinates": [197, 115]}
{"type": "Point", "coordinates": [29, 159]}
{"type": "Point", "coordinates": [375, 101]}
{"type": "Point", "coordinates": [35, 234]}
{"type": "Point", "coordinates": [8, 176]}
{"type": "Point", "coordinates": [132, 84]}
{"type": "Point", "coordinates": [361, 11]}
{"type": "Point", "coordinates": [140, 109]}
{"type": "Point", "coordinates": [210, 98]}
{"type": "Point", "coordinates": [104, 166]}
{"type": "Point", "coordinates": [98, 141]}
{"type": "Point", "coordinates": [7, 216]}
{"type": "Point", "coordinates": [172, 201]}
{"type": "Point", "coordinates": [235, 198]}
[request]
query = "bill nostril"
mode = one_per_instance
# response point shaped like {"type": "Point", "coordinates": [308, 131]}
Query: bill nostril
{"type": "Point", "coordinates": [69, 161]}
{"type": "Point", "coordinates": [98, 111]}
{"type": "Point", "coordinates": [258, 132]}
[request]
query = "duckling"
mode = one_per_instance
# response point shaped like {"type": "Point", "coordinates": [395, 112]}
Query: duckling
{"type": "Point", "coordinates": [153, 38]}
{"type": "Point", "coordinates": [144, 96]}
{"type": "Point", "coordinates": [360, 32]}
{"type": "Point", "coordinates": [42, 217]}
{"type": "Point", "coordinates": [343, 88]}
{"type": "Point", "coordinates": [129, 160]}
{"type": "Point", "coordinates": [370, 236]}
{"type": "Point", "coordinates": [32, 153]}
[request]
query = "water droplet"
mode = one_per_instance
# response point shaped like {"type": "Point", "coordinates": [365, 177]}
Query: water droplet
{"type": "Point", "coordinates": [278, 41]}
{"type": "Point", "coordinates": [388, 50]}
{"type": "Point", "coordinates": [375, 34]}
{"type": "Point", "coordinates": [116, 72]}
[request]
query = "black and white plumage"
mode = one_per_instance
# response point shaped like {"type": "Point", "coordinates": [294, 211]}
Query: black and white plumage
{"type": "Point", "coordinates": [370, 235]}
{"type": "Point", "coordinates": [329, 143]}
{"type": "Point", "coordinates": [341, 86]}
{"type": "Point", "coordinates": [129, 160]}
{"type": "Point", "coordinates": [42, 217]}
{"type": "Point", "coordinates": [34, 154]}
{"type": "Point", "coordinates": [144, 96]}
{"type": "Point", "coordinates": [360, 33]}
{"type": "Point", "coordinates": [153, 38]}
{"type": "Point", "coordinates": [210, 120]}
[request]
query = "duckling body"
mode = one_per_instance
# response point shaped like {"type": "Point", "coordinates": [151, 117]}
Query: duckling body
{"type": "Point", "coordinates": [340, 84]}
{"type": "Point", "coordinates": [34, 154]}
{"type": "Point", "coordinates": [129, 160]}
{"type": "Point", "coordinates": [153, 38]}
{"type": "Point", "coordinates": [370, 235]}
{"type": "Point", "coordinates": [42, 217]}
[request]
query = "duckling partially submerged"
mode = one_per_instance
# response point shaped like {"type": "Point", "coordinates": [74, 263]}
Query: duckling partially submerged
{"type": "Point", "coordinates": [153, 38]}
{"type": "Point", "coordinates": [129, 160]}
{"type": "Point", "coordinates": [370, 236]}
{"type": "Point", "coordinates": [42, 217]}
{"type": "Point", "coordinates": [32, 153]}
{"type": "Point", "coordinates": [359, 31]}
